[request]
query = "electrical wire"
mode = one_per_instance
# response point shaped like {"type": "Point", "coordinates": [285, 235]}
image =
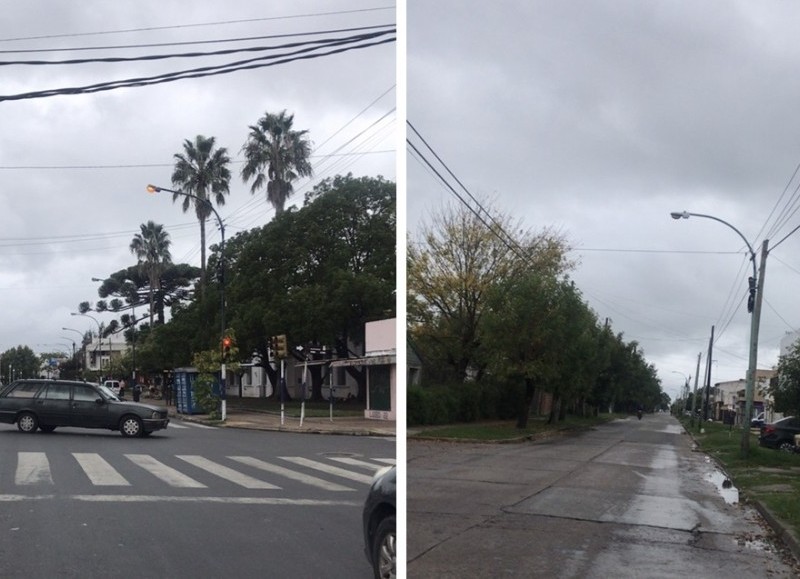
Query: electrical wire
{"type": "Point", "coordinates": [197, 25]}
{"type": "Point", "coordinates": [249, 64]}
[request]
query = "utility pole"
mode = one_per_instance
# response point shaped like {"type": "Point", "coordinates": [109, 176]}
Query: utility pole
{"type": "Point", "coordinates": [708, 375]}
{"type": "Point", "coordinates": [696, 380]}
{"type": "Point", "coordinates": [751, 374]}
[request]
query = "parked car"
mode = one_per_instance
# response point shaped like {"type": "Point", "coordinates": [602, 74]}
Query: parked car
{"type": "Point", "coordinates": [758, 421]}
{"type": "Point", "coordinates": [112, 385]}
{"type": "Point", "coordinates": [48, 404]}
{"type": "Point", "coordinates": [780, 434]}
{"type": "Point", "coordinates": [379, 523]}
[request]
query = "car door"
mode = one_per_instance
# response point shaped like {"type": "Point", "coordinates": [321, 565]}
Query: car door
{"type": "Point", "coordinates": [87, 412]}
{"type": "Point", "coordinates": [53, 405]}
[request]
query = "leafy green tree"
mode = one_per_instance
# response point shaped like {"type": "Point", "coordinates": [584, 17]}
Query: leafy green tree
{"type": "Point", "coordinates": [452, 267]}
{"type": "Point", "coordinates": [201, 170]}
{"type": "Point", "coordinates": [151, 248]}
{"type": "Point", "coordinates": [785, 390]}
{"type": "Point", "coordinates": [19, 362]}
{"type": "Point", "coordinates": [275, 156]}
{"type": "Point", "coordinates": [319, 273]}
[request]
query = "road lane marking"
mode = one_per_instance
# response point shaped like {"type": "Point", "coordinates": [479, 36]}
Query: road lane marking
{"type": "Point", "coordinates": [356, 462]}
{"type": "Point", "coordinates": [229, 474]}
{"type": "Point", "coordinates": [99, 471]}
{"type": "Point", "coordinates": [334, 470]}
{"type": "Point", "coordinates": [166, 473]}
{"type": "Point", "coordinates": [290, 474]}
{"type": "Point", "coordinates": [8, 498]}
{"type": "Point", "coordinates": [33, 468]}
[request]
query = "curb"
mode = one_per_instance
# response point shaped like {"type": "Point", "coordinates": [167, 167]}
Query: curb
{"type": "Point", "coordinates": [781, 532]}
{"type": "Point", "coordinates": [784, 534]}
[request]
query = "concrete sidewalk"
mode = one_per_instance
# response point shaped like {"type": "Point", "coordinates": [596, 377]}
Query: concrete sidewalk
{"type": "Point", "coordinates": [257, 420]}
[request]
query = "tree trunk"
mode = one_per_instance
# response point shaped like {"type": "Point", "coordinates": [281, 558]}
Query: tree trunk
{"type": "Point", "coordinates": [525, 408]}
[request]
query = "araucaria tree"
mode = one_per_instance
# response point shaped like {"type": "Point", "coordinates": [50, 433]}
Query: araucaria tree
{"type": "Point", "coordinates": [275, 156]}
{"type": "Point", "coordinates": [151, 248]}
{"type": "Point", "coordinates": [202, 170]}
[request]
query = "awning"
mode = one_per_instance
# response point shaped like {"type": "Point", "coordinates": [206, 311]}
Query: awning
{"type": "Point", "coordinates": [368, 361]}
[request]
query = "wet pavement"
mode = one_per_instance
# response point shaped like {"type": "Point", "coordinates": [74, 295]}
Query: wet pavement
{"type": "Point", "coordinates": [627, 499]}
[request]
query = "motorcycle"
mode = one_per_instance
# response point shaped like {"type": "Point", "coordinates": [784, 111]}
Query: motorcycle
{"type": "Point", "coordinates": [639, 414]}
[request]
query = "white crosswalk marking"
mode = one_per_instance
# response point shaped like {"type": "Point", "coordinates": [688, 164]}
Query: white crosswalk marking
{"type": "Point", "coordinates": [222, 471]}
{"type": "Point", "coordinates": [99, 471]}
{"type": "Point", "coordinates": [166, 473]}
{"type": "Point", "coordinates": [334, 470]}
{"type": "Point", "coordinates": [33, 468]}
{"type": "Point", "coordinates": [355, 462]}
{"type": "Point", "coordinates": [290, 474]}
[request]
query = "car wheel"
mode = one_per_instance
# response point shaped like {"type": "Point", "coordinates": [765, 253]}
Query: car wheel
{"type": "Point", "coordinates": [27, 422]}
{"type": "Point", "coordinates": [383, 549]}
{"type": "Point", "coordinates": [47, 428]}
{"type": "Point", "coordinates": [786, 446]}
{"type": "Point", "coordinates": [131, 426]}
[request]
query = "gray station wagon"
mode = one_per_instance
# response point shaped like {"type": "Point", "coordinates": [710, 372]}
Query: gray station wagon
{"type": "Point", "coordinates": [48, 404]}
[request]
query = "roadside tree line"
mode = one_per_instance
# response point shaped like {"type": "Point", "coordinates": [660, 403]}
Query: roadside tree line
{"type": "Point", "coordinates": [316, 274]}
{"type": "Point", "coordinates": [497, 323]}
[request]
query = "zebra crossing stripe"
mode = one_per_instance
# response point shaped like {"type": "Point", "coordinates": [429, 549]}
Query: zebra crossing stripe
{"type": "Point", "coordinates": [290, 474]}
{"type": "Point", "coordinates": [334, 470]}
{"type": "Point", "coordinates": [32, 468]}
{"type": "Point", "coordinates": [386, 460]}
{"type": "Point", "coordinates": [355, 462]}
{"type": "Point", "coordinates": [229, 474]}
{"type": "Point", "coordinates": [99, 471]}
{"type": "Point", "coordinates": [166, 473]}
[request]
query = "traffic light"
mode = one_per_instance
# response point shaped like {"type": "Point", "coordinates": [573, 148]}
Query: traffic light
{"type": "Point", "coordinates": [226, 347]}
{"type": "Point", "coordinates": [281, 347]}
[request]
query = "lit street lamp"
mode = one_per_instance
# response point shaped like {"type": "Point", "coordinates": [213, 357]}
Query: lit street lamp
{"type": "Point", "coordinates": [754, 307]}
{"type": "Point", "coordinates": [155, 189]}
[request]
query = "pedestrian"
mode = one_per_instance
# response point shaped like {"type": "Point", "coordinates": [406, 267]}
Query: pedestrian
{"type": "Point", "coordinates": [137, 391]}
{"type": "Point", "coordinates": [121, 388]}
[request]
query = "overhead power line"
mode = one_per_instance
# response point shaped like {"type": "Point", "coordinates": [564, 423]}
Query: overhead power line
{"type": "Point", "coordinates": [335, 47]}
{"type": "Point", "coordinates": [495, 228]}
{"type": "Point", "coordinates": [197, 25]}
{"type": "Point", "coordinates": [181, 55]}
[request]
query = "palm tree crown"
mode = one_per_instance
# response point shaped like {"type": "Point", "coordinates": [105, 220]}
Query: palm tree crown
{"type": "Point", "coordinates": [151, 248]}
{"type": "Point", "coordinates": [276, 155]}
{"type": "Point", "coordinates": [203, 171]}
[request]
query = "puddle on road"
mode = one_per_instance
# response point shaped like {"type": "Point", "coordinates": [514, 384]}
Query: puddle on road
{"type": "Point", "coordinates": [672, 429]}
{"type": "Point", "coordinates": [729, 493]}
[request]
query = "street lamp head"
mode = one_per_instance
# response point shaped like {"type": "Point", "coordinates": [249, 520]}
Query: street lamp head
{"type": "Point", "coordinates": [680, 214]}
{"type": "Point", "coordinates": [153, 189]}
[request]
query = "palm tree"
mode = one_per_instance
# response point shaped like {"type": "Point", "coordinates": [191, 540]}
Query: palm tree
{"type": "Point", "coordinates": [203, 171]}
{"type": "Point", "coordinates": [273, 146]}
{"type": "Point", "coordinates": [151, 248]}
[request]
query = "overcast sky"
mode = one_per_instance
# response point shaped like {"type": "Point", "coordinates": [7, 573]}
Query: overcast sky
{"type": "Point", "coordinates": [600, 118]}
{"type": "Point", "coordinates": [74, 168]}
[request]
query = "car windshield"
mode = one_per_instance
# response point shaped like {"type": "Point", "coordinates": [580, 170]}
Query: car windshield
{"type": "Point", "coordinates": [108, 394]}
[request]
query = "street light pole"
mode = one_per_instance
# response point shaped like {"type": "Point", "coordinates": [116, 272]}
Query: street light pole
{"type": "Point", "coordinates": [757, 288]}
{"type": "Point", "coordinates": [99, 336]}
{"type": "Point", "coordinates": [687, 381]}
{"type": "Point", "coordinates": [73, 346]}
{"type": "Point", "coordinates": [156, 189]}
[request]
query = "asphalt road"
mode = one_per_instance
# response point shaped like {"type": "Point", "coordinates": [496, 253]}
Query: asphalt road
{"type": "Point", "coordinates": [627, 499]}
{"type": "Point", "coordinates": [191, 501]}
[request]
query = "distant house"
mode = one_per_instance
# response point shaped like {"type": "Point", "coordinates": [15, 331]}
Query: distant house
{"type": "Point", "coordinates": [730, 397]}
{"type": "Point", "coordinates": [380, 362]}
